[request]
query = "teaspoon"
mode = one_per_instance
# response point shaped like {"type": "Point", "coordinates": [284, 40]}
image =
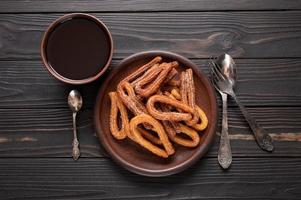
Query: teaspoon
{"type": "Point", "coordinates": [75, 102]}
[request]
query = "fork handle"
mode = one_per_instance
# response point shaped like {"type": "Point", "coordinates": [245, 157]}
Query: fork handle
{"type": "Point", "coordinates": [224, 153]}
{"type": "Point", "coordinates": [263, 139]}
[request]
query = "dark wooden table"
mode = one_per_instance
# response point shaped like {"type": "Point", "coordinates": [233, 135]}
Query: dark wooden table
{"type": "Point", "coordinates": [264, 36]}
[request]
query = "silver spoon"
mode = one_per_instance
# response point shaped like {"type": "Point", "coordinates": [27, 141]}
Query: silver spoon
{"type": "Point", "coordinates": [75, 102]}
{"type": "Point", "coordinates": [227, 85]}
{"type": "Point", "coordinates": [224, 152]}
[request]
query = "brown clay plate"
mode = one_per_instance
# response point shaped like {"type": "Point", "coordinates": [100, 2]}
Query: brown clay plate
{"type": "Point", "coordinates": [130, 155]}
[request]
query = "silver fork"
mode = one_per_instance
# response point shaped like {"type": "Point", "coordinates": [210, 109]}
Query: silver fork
{"type": "Point", "coordinates": [225, 85]}
{"type": "Point", "coordinates": [224, 155]}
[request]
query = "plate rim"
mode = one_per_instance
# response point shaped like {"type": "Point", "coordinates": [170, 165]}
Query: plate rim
{"type": "Point", "coordinates": [177, 168]}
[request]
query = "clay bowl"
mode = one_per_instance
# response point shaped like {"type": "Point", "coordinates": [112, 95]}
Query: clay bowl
{"type": "Point", "coordinates": [50, 30]}
{"type": "Point", "coordinates": [133, 157]}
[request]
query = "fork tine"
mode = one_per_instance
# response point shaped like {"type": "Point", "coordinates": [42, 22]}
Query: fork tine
{"type": "Point", "coordinates": [218, 73]}
{"type": "Point", "coordinates": [217, 76]}
{"type": "Point", "coordinates": [212, 63]}
{"type": "Point", "coordinates": [218, 67]}
{"type": "Point", "coordinates": [215, 86]}
{"type": "Point", "coordinates": [213, 74]}
{"type": "Point", "coordinates": [213, 80]}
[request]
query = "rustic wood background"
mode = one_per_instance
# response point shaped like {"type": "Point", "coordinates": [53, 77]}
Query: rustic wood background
{"type": "Point", "coordinates": [264, 36]}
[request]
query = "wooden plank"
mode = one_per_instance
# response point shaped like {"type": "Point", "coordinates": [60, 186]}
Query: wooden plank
{"type": "Point", "coordinates": [45, 133]}
{"type": "Point", "coordinates": [8, 6]}
{"type": "Point", "coordinates": [265, 82]}
{"type": "Point", "coordinates": [193, 34]}
{"type": "Point", "coordinates": [48, 133]}
{"type": "Point", "coordinates": [248, 178]}
{"type": "Point", "coordinates": [27, 84]}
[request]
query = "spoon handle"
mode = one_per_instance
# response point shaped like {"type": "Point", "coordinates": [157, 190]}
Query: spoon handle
{"type": "Point", "coordinates": [75, 144]}
{"type": "Point", "coordinates": [224, 153]}
{"type": "Point", "coordinates": [263, 139]}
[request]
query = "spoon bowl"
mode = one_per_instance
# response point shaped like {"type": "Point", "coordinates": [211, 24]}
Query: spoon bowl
{"type": "Point", "coordinates": [75, 101]}
{"type": "Point", "coordinates": [227, 67]}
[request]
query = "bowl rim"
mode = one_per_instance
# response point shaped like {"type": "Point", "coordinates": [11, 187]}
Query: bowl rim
{"type": "Point", "coordinates": [201, 151]}
{"type": "Point", "coordinates": [49, 30]}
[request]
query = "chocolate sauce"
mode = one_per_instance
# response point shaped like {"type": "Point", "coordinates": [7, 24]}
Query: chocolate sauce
{"type": "Point", "coordinates": [78, 48]}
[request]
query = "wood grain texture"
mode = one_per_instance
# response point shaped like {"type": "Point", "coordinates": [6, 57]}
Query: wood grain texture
{"type": "Point", "coordinates": [48, 133]}
{"type": "Point", "coordinates": [35, 122]}
{"type": "Point", "coordinates": [194, 34]}
{"type": "Point", "coordinates": [261, 82]}
{"type": "Point", "coordinates": [249, 178]}
{"type": "Point", "coordinates": [45, 133]}
{"type": "Point", "coordinates": [23, 6]}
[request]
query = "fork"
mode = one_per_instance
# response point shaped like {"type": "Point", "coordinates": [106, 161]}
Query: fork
{"type": "Point", "coordinates": [224, 155]}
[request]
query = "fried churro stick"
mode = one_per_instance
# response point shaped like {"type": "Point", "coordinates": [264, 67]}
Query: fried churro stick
{"type": "Point", "coordinates": [117, 106]}
{"type": "Point", "coordinates": [192, 134]}
{"type": "Point", "coordinates": [169, 107]}
{"type": "Point", "coordinates": [174, 82]}
{"type": "Point", "coordinates": [173, 129]}
{"type": "Point", "coordinates": [154, 69]}
{"type": "Point", "coordinates": [151, 72]}
{"type": "Point", "coordinates": [131, 101]}
{"type": "Point", "coordinates": [142, 69]}
{"type": "Point", "coordinates": [127, 95]}
{"type": "Point", "coordinates": [175, 137]}
{"type": "Point", "coordinates": [204, 120]}
{"type": "Point", "coordinates": [154, 139]}
{"type": "Point", "coordinates": [175, 93]}
{"type": "Point", "coordinates": [157, 127]}
{"type": "Point", "coordinates": [173, 78]}
{"type": "Point", "coordinates": [171, 116]}
{"type": "Point", "coordinates": [201, 114]}
{"type": "Point", "coordinates": [188, 93]}
{"type": "Point", "coordinates": [166, 108]}
{"type": "Point", "coordinates": [191, 88]}
{"type": "Point", "coordinates": [171, 75]}
{"type": "Point", "coordinates": [170, 130]}
{"type": "Point", "coordinates": [151, 82]}
{"type": "Point", "coordinates": [184, 88]}
{"type": "Point", "coordinates": [146, 134]}
{"type": "Point", "coordinates": [168, 94]}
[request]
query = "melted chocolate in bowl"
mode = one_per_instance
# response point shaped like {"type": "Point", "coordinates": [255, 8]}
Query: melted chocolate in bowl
{"type": "Point", "coordinates": [78, 48]}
